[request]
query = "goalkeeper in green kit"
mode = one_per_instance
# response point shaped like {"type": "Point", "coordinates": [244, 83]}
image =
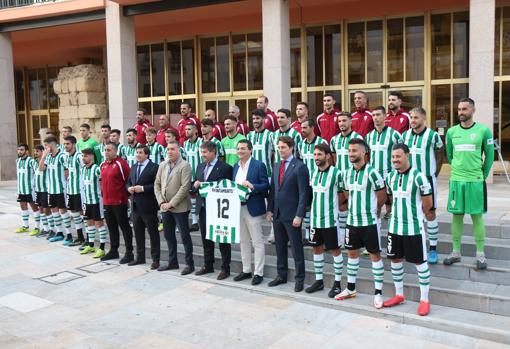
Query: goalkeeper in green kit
{"type": "Point", "coordinates": [470, 152]}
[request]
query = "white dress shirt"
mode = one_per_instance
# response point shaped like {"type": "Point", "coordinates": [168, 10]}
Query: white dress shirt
{"type": "Point", "coordinates": [242, 172]}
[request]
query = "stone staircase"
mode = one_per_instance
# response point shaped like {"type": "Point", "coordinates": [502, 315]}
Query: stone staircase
{"type": "Point", "coordinates": [464, 300]}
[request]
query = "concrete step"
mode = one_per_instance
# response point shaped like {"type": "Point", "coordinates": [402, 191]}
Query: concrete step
{"type": "Point", "coordinates": [498, 271]}
{"type": "Point", "coordinates": [465, 322]}
{"type": "Point", "coordinates": [461, 294]}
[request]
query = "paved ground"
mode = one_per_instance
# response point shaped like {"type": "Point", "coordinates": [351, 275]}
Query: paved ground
{"type": "Point", "coordinates": [51, 297]}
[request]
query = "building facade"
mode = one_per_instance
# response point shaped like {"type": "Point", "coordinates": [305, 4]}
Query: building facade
{"type": "Point", "coordinates": [157, 54]}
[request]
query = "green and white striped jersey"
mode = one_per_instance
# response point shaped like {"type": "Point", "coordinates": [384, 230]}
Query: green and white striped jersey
{"type": "Point", "coordinates": [55, 167]}
{"type": "Point", "coordinates": [306, 151]}
{"type": "Point", "coordinates": [100, 150]}
{"type": "Point", "coordinates": [121, 151]}
{"type": "Point", "coordinates": [291, 132]}
{"type": "Point", "coordinates": [74, 165]}
{"type": "Point", "coordinates": [61, 147]}
{"type": "Point", "coordinates": [91, 185]}
{"type": "Point", "coordinates": [340, 146]}
{"type": "Point", "coordinates": [325, 187]}
{"type": "Point", "coordinates": [156, 152]}
{"type": "Point", "coordinates": [130, 153]}
{"type": "Point", "coordinates": [362, 186]}
{"type": "Point", "coordinates": [181, 150]}
{"type": "Point", "coordinates": [220, 151]}
{"type": "Point", "coordinates": [422, 149]}
{"type": "Point", "coordinates": [406, 211]}
{"type": "Point", "coordinates": [192, 150]}
{"type": "Point", "coordinates": [41, 179]}
{"type": "Point", "coordinates": [381, 145]}
{"type": "Point", "coordinates": [223, 200]}
{"type": "Point", "coordinates": [25, 175]}
{"type": "Point", "coordinates": [262, 147]}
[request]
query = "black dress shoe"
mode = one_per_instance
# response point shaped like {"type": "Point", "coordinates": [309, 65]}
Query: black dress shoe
{"type": "Point", "coordinates": [298, 287]}
{"type": "Point", "coordinates": [242, 276]}
{"type": "Point", "coordinates": [136, 262]}
{"type": "Point", "coordinates": [336, 289]}
{"type": "Point", "coordinates": [223, 275]}
{"type": "Point", "coordinates": [193, 227]}
{"type": "Point", "coordinates": [168, 267]}
{"type": "Point", "coordinates": [276, 282]}
{"type": "Point", "coordinates": [204, 271]}
{"type": "Point", "coordinates": [257, 279]}
{"type": "Point", "coordinates": [318, 285]}
{"type": "Point", "coordinates": [154, 265]}
{"type": "Point", "coordinates": [187, 270]}
{"type": "Point", "coordinates": [112, 254]}
{"type": "Point", "coordinates": [126, 259]}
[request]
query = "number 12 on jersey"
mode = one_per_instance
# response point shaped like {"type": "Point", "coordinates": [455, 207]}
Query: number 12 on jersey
{"type": "Point", "coordinates": [223, 200]}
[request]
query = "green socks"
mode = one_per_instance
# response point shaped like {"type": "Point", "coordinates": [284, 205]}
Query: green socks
{"type": "Point", "coordinates": [478, 231]}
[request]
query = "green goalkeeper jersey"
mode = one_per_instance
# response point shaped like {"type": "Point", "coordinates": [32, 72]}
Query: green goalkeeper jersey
{"type": "Point", "coordinates": [470, 151]}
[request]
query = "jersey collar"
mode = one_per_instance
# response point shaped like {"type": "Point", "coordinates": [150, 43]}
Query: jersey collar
{"type": "Point", "coordinates": [419, 134]}
{"type": "Point", "coordinates": [467, 128]}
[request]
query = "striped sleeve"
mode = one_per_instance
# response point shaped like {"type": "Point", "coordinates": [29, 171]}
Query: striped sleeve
{"type": "Point", "coordinates": [376, 180]}
{"type": "Point", "coordinates": [438, 142]}
{"type": "Point", "coordinates": [97, 172]}
{"type": "Point", "coordinates": [340, 181]}
{"type": "Point", "coordinates": [388, 183]}
{"type": "Point", "coordinates": [423, 184]}
{"type": "Point", "coordinates": [204, 189]}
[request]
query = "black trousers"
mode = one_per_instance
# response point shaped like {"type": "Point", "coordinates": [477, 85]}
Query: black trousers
{"type": "Point", "coordinates": [283, 232]}
{"type": "Point", "coordinates": [116, 216]}
{"type": "Point", "coordinates": [140, 223]}
{"type": "Point", "coordinates": [170, 221]}
{"type": "Point", "coordinates": [225, 249]}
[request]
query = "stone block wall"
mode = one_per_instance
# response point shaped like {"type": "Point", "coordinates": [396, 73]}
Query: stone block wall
{"type": "Point", "coordinates": [82, 95]}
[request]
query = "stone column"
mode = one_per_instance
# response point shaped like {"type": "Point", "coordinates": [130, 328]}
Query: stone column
{"type": "Point", "coordinates": [121, 63]}
{"type": "Point", "coordinates": [8, 103]}
{"type": "Point", "coordinates": [276, 52]}
{"type": "Point", "coordinates": [482, 16]}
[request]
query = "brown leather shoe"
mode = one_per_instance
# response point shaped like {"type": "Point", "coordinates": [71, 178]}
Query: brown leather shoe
{"type": "Point", "coordinates": [223, 275]}
{"type": "Point", "coordinates": [154, 265]}
{"type": "Point", "coordinates": [204, 271]}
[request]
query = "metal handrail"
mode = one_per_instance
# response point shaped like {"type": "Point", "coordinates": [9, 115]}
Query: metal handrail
{"type": "Point", "coordinates": [21, 3]}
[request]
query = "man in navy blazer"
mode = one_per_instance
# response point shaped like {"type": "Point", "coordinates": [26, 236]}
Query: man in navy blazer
{"type": "Point", "coordinates": [140, 185]}
{"type": "Point", "coordinates": [251, 174]}
{"type": "Point", "coordinates": [288, 197]}
{"type": "Point", "coordinates": [211, 170]}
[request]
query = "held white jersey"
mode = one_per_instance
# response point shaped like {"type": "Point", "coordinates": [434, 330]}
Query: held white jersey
{"type": "Point", "coordinates": [223, 201]}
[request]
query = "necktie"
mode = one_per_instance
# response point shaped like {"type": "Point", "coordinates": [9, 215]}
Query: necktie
{"type": "Point", "coordinates": [138, 170]}
{"type": "Point", "coordinates": [282, 171]}
{"type": "Point", "coordinates": [206, 170]}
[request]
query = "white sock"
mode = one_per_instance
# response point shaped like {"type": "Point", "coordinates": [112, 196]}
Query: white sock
{"type": "Point", "coordinates": [397, 272]}
{"type": "Point", "coordinates": [24, 218]}
{"type": "Point", "coordinates": [318, 263]}
{"type": "Point", "coordinates": [424, 280]}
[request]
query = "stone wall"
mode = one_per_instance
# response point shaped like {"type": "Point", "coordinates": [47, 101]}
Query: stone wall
{"type": "Point", "coordinates": [82, 94]}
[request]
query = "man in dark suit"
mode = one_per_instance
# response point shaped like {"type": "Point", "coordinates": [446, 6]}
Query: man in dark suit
{"type": "Point", "coordinates": [211, 170]}
{"type": "Point", "coordinates": [251, 174]}
{"type": "Point", "coordinates": [288, 198]}
{"type": "Point", "coordinates": [145, 206]}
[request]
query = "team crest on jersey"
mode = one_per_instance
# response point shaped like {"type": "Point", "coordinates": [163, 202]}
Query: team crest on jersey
{"type": "Point", "coordinates": [453, 203]}
{"type": "Point", "coordinates": [472, 136]}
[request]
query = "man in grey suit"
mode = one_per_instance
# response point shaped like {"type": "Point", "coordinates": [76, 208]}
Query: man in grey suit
{"type": "Point", "coordinates": [172, 192]}
{"type": "Point", "coordinates": [288, 197]}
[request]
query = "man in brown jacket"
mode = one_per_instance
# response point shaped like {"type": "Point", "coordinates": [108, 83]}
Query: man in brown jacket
{"type": "Point", "coordinates": [171, 187]}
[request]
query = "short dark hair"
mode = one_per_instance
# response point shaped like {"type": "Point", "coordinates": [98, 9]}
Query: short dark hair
{"type": "Point", "coordinates": [85, 125]}
{"type": "Point", "coordinates": [23, 145]}
{"type": "Point", "coordinates": [285, 111]}
{"type": "Point", "coordinates": [328, 95]}
{"type": "Point", "coordinates": [468, 100]}
{"type": "Point", "coordinates": [116, 130]}
{"type": "Point", "coordinates": [71, 139]}
{"type": "Point", "coordinates": [323, 147]}
{"type": "Point", "coordinates": [145, 148]}
{"type": "Point", "coordinates": [258, 112]}
{"type": "Point", "coordinates": [397, 94]}
{"type": "Point", "coordinates": [115, 145]}
{"type": "Point", "coordinates": [359, 141]}
{"type": "Point", "coordinates": [302, 103]}
{"type": "Point", "coordinates": [402, 146]}
{"type": "Point", "coordinates": [69, 128]}
{"type": "Point", "coordinates": [345, 113]}
{"type": "Point", "coordinates": [209, 146]}
{"type": "Point", "coordinates": [142, 110]}
{"type": "Point", "coordinates": [173, 132]}
{"type": "Point", "coordinates": [132, 130]}
{"type": "Point", "coordinates": [187, 103]}
{"type": "Point", "coordinates": [87, 151]}
{"type": "Point", "coordinates": [192, 125]}
{"type": "Point", "coordinates": [310, 121]}
{"type": "Point", "coordinates": [247, 142]}
{"type": "Point", "coordinates": [50, 139]}
{"type": "Point", "coordinates": [39, 147]}
{"type": "Point", "coordinates": [381, 108]}
{"type": "Point", "coordinates": [207, 122]}
{"type": "Point", "coordinates": [230, 117]}
{"type": "Point", "coordinates": [106, 126]}
{"type": "Point", "coordinates": [287, 140]}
